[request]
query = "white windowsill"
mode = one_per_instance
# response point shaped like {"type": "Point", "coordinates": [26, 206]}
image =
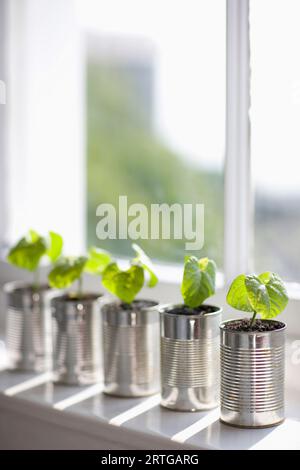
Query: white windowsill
{"type": "Point", "coordinates": [65, 417]}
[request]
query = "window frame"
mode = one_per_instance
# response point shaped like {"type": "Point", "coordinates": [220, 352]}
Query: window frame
{"type": "Point", "coordinates": [238, 196]}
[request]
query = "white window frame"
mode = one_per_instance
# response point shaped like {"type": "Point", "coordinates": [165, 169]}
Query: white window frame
{"type": "Point", "coordinates": [238, 207]}
{"type": "Point", "coordinates": [238, 215]}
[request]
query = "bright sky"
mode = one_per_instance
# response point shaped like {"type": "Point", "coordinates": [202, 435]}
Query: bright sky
{"type": "Point", "coordinates": [189, 40]}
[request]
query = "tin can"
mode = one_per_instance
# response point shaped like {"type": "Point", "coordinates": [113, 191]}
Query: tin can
{"type": "Point", "coordinates": [77, 339]}
{"type": "Point", "coordinates": [28, 326]}
{"type": "Point", "coordinates": [190, 359]}
{"type": "Point", "coordinates": [252, 377]}
{"type": "Point", "coordinates": [131, 348]}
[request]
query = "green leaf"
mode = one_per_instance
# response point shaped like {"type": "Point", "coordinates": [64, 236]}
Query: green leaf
{"type": "Point", "coordinates": [124, 284]}
{"type": "Point", "coordinates": [27, 253]}
{"type": "Point", "coordinates": [257, 294]}
{"type": "Point", "coordinates": [146, 263]}
{"type": "Point", "coordinates": [237, 295]}
{"type": "Point", "coordinates": [33, 236]}
{"type": "Point", "coordinates": [55, 246]}
{"type": "Point", "coordinates": [198, 280]}
{"type": "Point", "coordinates": [66, 271]}
{"type": "Point", "coordinates": [97, 261]}
{"type": "Point", "coordinates": [278, 297]}
{"type": "Point", "coordinates": [264, 294]}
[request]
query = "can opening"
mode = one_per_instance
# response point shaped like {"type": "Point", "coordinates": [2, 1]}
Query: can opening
{"type": "Point", "coordinates": [244, 324]}
{"type": "Point", "coordinates": [185, 310]}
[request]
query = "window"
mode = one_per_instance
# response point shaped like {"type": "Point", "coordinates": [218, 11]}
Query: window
{"type": "Point", "coordinates": [275, 146]}
{"type": "Point", "coordinates": [127, 97]}
{"type": "Point", "coordinates": [156, 111]}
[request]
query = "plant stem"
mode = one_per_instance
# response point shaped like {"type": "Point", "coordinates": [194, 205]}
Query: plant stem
{"type": "Point", "coordinates": [36, 279]}
{"type": "Point", "coordinates": [80, 287]}
{"type": "Point", "coordinates": [253, 319]}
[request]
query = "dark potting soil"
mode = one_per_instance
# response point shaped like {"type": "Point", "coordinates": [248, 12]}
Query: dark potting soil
{"type": "Point", "coordinates": [82, 298]}
{"type": "Point", "coordinates": [259, 325]}
{"type": "Point", "coordinates": [185, 310]}
{"type": "Point", "coordinates": [137, 305]}
{"type": "Point", "coordinates": [31, 288]}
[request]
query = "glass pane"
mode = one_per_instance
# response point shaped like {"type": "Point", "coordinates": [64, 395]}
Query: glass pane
{"type": "Point", "coordinates": [155, 112]}
{"type": "Point", "coordinates": [275, 119]}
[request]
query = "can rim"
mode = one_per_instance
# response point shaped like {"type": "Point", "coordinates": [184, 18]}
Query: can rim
{"type": "Point", "coordinates": [63, 299]}
{"type": "Point", "coordinates": [164, 307]}
{"type": "Point", "coordinates": [151, 308]}
{"type": "Point", "coordinates": [278, 330]}
{"type": "Point", "coordinates": [12, 286]}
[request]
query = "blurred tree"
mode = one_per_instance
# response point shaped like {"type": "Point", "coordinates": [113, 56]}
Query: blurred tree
{"type": "Point", "coordinates": [126, 157]}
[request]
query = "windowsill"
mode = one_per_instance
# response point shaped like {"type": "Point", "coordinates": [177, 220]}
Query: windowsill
{"type": "Point", "coordinates": [65, 417]}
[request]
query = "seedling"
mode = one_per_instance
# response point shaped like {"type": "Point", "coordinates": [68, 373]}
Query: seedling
{"type": "Point", "coordinates": [126, 284]}
{"type": "Point", "coordinates": [30, 249]}
{"type": "Point", "coordinates": [70, 269]}
{"type": "Point", "coordinates": [263, 294]}
{"type": "Point", "coordinates": [199, 279]}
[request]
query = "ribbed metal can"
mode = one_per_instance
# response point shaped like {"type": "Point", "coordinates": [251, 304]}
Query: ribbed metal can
{"type": "Point", "coordinates": [77, 339]}
{"type": "Point", "coordinates": [28, 326]}
{"type": "Point", "coordinates": [131, 348]}
{"type": "Point", "coordinates": [252, 377]}
{"type": "Point", "coordinates": [190, 359]}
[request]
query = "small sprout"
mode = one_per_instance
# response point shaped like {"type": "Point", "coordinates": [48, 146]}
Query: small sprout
{"type": "Point", "coordinates": [143, 260]}
{"type": "Point", "coordinates": [97, 261]}
{"type": "Point", "coordinates": [199, 278]}
{"type": "Point", "coordinates": [55, 246]}
{"type": "Point", "coordinates": [124, 284]}
{"type": "Point", "coordinates": [264, 294]}
{"type": "Point", "coordinates": [67, 270]}
{"type": "Point", "coordinates": [128, 283]}
{"type": "Point", "coordinates": [29, 251]}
